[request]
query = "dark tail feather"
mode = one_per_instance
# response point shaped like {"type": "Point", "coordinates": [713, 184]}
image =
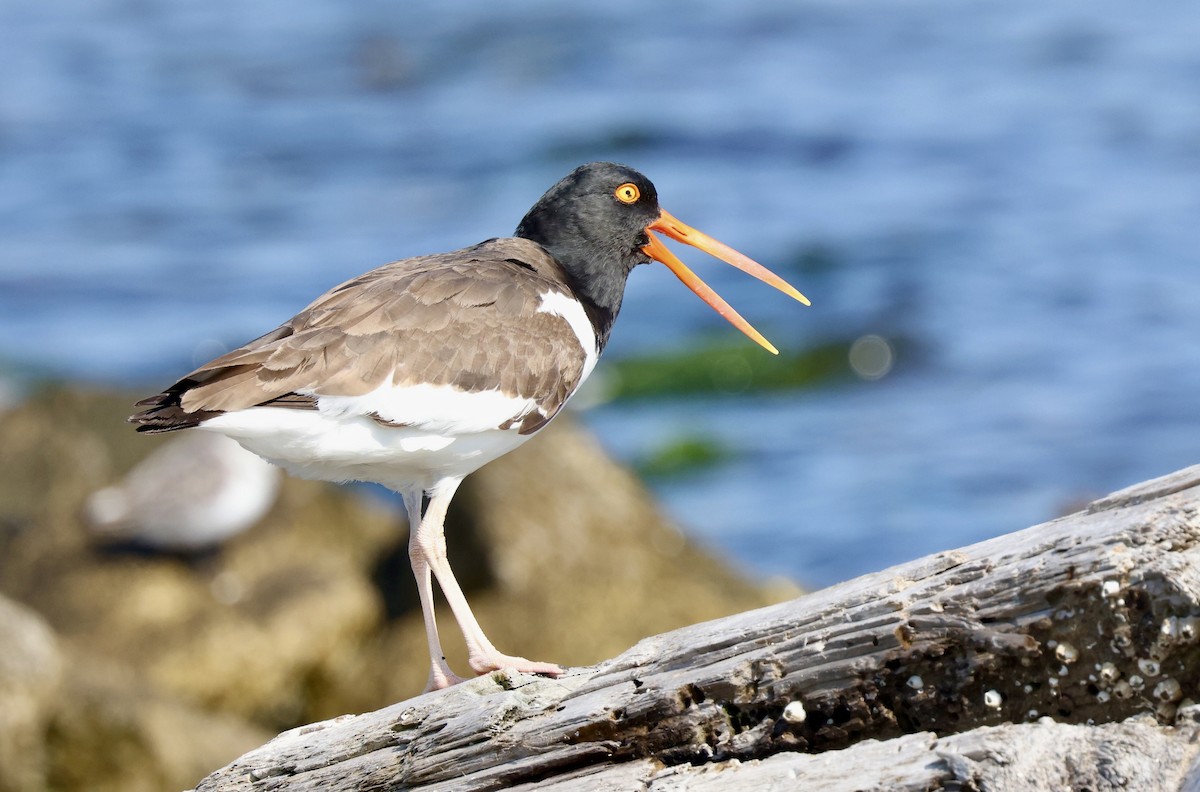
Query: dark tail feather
{"type": "Point", "coordinates": [164, 413]}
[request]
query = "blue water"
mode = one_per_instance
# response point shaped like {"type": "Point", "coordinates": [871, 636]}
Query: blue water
{"type": "Point", "coordinates": [1013, 187]}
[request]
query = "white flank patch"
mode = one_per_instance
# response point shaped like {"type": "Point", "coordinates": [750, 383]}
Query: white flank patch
{"type": "Point", "coordinates": [446, 432]}
{"type": "Point", "coordinates": [568, 308]}
{"type": "Point", "coordinates": [314, 444]}
{"type": "Point", "coordinates": [443, 409]}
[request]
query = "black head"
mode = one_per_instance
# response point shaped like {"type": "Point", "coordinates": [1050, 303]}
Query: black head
{"type": "Point", "coordinates": [594, 223]}
{"type": "Point", "coordinates": [597, 221]}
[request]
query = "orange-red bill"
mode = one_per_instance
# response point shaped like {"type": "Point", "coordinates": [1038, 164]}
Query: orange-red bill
{"type": "Point", "coordinates": [672, 227]}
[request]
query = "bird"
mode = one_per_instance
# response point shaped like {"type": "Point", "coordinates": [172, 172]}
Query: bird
{"type": "Point", "coordinates": [421, 371]}
{"type": "Point", "coordinates": [189, 495]}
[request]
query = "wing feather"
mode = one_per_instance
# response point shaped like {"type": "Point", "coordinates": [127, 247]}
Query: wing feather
{"type": "Point", "coordinates": [467, 319]}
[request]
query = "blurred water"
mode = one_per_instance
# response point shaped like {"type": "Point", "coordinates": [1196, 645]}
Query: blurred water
{"type": "Point", "coordinates": [1014, 186]}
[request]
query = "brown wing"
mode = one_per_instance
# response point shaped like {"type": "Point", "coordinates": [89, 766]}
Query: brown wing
{"type": "Point", "coordinates": [467, 319]}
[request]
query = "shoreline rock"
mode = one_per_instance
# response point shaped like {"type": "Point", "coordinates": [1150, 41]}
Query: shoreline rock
{"type": "Point", "coordinates": [1066, 655]}
{"type": "Point", "coordinates": [312, 612]}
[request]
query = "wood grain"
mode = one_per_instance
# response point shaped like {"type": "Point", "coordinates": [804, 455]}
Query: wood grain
{"type": "Point", "coordinates": [1082, 633]}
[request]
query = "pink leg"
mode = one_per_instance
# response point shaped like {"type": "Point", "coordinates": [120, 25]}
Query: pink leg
{"type": "Point", "coordinates": [440, 675]}
{"type": "Point", "coordinates": [428, 542]}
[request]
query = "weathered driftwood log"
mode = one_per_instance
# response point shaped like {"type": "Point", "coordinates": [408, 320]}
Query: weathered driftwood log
{"type": "Point", "coordinates": [1062, 656]}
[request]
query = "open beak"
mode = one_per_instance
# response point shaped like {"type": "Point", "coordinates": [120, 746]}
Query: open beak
{"type": "Point", "coordinates": [669, 225]}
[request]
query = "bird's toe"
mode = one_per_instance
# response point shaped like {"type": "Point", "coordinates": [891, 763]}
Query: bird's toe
{"type": "Point", "coordinates": [484, 664]}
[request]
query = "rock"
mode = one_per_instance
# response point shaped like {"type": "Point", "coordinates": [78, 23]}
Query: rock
{"type": "Point", "coordinates": [30, 674]}
{"type": "Point", "coordinates": [1134, 754]}
{"type": "Point", "coordinates": [253, 630]}
{"type": "Point", "coordinates": [113, 732]}
{"type": "Point", "coordinates": [1056, 657]}
{"type": "Point", "coordinates": [313, 612]}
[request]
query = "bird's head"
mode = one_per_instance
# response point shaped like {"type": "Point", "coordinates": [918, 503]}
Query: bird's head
{"type": "Point", "coordinates": [599, 223]}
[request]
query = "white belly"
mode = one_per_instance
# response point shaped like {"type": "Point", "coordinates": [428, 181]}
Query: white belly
{"type": "Point", "coordinates": [339, 442]}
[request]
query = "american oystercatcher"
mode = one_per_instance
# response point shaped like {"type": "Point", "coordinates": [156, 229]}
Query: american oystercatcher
{"type": "Point", "coordinates": [423, 370]}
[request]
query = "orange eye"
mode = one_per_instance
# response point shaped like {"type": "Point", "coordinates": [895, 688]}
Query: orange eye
{"type": "Point", "coordinates": [628, 193]}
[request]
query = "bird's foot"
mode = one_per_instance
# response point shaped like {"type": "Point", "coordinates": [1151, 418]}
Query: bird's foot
{"type": "Point", "coordinates": [441, 678]}
{"type": "Point", "coordinates": [495, 661]}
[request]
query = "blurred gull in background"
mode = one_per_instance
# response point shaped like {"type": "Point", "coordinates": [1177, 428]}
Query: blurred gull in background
{"type": "Point", "coordinates": [188, 495]}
